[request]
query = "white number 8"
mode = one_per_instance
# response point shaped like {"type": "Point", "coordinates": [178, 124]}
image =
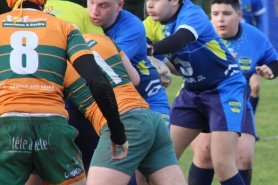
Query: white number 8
{"type": "Point", "coordinates": [32, 57]}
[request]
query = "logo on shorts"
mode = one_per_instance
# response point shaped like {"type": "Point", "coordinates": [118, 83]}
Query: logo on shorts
{"type": "Point", "coordinates": [18, 144]}
{"type": "Point", "coordinates": [74, 173]}
{"type": "Point", "coordinates": [235, 106]}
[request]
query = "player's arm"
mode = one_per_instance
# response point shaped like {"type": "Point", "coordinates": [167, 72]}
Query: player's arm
{"type": "Point", "coordinates": [103, 94]}
{"type": "Point", "coordinates": [128, 41]}
{"type": "Point", "coordinates": [132, 73]}
{"type": "Point", "coordinates": [174, 42]}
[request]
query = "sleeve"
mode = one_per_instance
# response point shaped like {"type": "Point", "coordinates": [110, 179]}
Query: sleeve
{"type": "Point", "coordinates": [84, 63]}
{"type": "Point", "coordinates": [174, 42]}
{"type": "Point", "coordinates": [269, 53]}
{"type": "Point", "coordinates": [129, 36]}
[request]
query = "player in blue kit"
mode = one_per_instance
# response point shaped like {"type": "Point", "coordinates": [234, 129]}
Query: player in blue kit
{"type": "Point", "coordinates": [252, 13]}
{"type": "Point", "coordinates": [242, 40]}
{"type": "Point", "coordinates": [213, 97]}
{"type": "Point", "coordinates": [128, 33]}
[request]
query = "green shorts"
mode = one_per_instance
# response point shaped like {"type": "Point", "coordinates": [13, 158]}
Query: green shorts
{"type": "Point", "coordinates": [150, 145]}
{"type": "Point", "coordinates": [42, 143]}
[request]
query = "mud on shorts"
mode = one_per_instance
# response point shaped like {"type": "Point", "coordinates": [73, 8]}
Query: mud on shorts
{"type": "Point", "coordinates": [42, 143]}
{"type": "Point", "coordinates": [150, 144]}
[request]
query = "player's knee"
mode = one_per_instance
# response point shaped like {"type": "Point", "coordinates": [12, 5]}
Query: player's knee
{"type": "Point", "coordinates": [202, 154]}
{"type": "Point", "coordinates": [245, 161]}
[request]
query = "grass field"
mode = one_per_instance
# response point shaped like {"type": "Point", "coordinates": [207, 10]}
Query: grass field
{"type": "Point", "coordinates": [266, 161]}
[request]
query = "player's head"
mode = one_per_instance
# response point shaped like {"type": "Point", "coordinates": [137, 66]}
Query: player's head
{"type": "Point", "coordinates": [225, 16]}
{"type": "Point", "coordinates": [11, 3]}
{"type": "Point", "coordinates": [162, 10]}
{"type": "Point", "coordinates": [18, 4]}
{"type": "Point", "coordinates": [104, 12]}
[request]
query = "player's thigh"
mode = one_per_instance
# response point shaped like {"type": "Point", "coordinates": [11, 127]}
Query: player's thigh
{"type": "Point", "coordinates": [161, 154]}
{"type": "Point", "coordinates": [55, 142]}
{"type": "Point", "coordinates": [168, 175]}
{"type": "Point", "coordinates": [140, 134]}
{"type": "Point", "coordinates": [34, 179]}
{"type": "Point", "coordinates": [103, 176]}
{"type": "Point", "coordinates": [16, 157]}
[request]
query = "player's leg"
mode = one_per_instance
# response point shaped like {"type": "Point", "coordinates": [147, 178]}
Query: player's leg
{"type": "Point", "coordinates": [246, 145]}
{"type": "Point", "coordinates": [223, 152]}
{"type": "Point", "coordinates": [201, 171]}
{"type": "Point", "coordinates": [255, 84]}
{"type": "Point", "coordinates": [226, 112]}
{"type": "Point", "coordinates": [160, 165]}
{"type": "Point", "coordinates": [34, 179]}
{"type": "Point", "coordinates": [140, 135]}
{"type": "Point", "coordinates": [55, 142]}
{"type": "Point", "coordinates": [158, 103]}
{"type": "Point", "coordinates": [16, 157]}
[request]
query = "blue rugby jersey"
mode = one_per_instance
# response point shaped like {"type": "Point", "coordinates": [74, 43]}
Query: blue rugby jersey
{"type": "Point", "coordinates": [250, 48]}
{"type": "Point", "coordinates": [129, 34]}
{"type": "Point", "coordinates": [203, 63]}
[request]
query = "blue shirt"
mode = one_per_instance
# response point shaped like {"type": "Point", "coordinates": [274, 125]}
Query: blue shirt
{"type": "Point", "coordinates": [250, 48]}
{"type": "Point", "coordinates": [129, 34]}
{"type": "Point", "coordinates": [203, 63]}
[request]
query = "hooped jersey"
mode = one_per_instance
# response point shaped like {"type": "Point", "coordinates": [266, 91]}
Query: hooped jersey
{"type": "Point", "coordinates": [73, 13]}
{"type": "Point", "coordinates": [251, 9]}
{"type": "Point", "coordinates": [250, 48]}
{"type": "Point", "coordinates": [108, 57]}
{"type": "Point", "coordinates": [33, 55]}
{"type": "Point", "coordinates": [203, 63]}
{"type": "Point", "coordinates": [129, 34]}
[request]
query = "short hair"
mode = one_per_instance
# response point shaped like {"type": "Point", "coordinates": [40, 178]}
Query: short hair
{"type": "Point", "coordinates": [233, 3]}
{"type": "Point", "coordinates": [180, 1]}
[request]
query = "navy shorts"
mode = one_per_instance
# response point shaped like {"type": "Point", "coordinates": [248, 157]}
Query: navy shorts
{"type": "Point", "coordinates": [87, 138]}
{"type": "Point", "coordinates": [220, 109]}
{"type": "Point", "coordinates": [249, 126]}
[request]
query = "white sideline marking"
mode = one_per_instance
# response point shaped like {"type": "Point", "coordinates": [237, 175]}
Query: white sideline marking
{"type": "Point", "coordinates": [271, 138]}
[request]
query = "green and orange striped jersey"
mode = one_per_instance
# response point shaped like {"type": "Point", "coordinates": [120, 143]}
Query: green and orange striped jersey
{"type": "Point", "coordinates": [108, 57]}
{"type": "Point", "coordinates": [33, 55]}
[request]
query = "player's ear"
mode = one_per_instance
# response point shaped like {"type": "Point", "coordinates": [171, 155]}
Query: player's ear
{"type": "Point", "coordinates": [120, 5]}
{"type": "Point", "coordinates": [239, 14]}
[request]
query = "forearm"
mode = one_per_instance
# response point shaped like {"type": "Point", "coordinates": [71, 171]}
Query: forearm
{"type": "Point", "coordinates": [103, 94]}
{"type": "Point", "coordinates": [174, 42]}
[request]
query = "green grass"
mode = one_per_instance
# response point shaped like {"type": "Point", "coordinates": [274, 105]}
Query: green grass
{"type": "Point", "coordinates": [265, 166]}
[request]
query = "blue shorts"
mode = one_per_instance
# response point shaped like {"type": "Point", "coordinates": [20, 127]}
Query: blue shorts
{"type": "Point", "coordinates": [159, 103]}
{"type": "Point", "coordinates": [248, 125]}
{"type": "Point", "coordinates": [219, 109]}
{"type": "Point", "coordinates": [87, 138]}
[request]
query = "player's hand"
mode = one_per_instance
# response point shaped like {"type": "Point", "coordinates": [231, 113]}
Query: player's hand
{"type": "Point", "coordinates": [123, 154]}
{"type": "Point", "coordinates": [165, 82]}
{"type": "Point", "coordinates": [264, 71]}
{"type": "Point", "coordinates": [149, 50]}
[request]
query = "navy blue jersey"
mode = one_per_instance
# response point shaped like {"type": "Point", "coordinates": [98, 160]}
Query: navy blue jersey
{"type": "Point", "coordinates": [129, 34]}
{"type": "Point", "coordinates": [250, 48]}
{"type": "Point", "coordinates": [203, 63]}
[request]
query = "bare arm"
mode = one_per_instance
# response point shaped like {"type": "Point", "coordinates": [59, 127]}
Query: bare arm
{"type": "Point", "coordinates": [133, 74]}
